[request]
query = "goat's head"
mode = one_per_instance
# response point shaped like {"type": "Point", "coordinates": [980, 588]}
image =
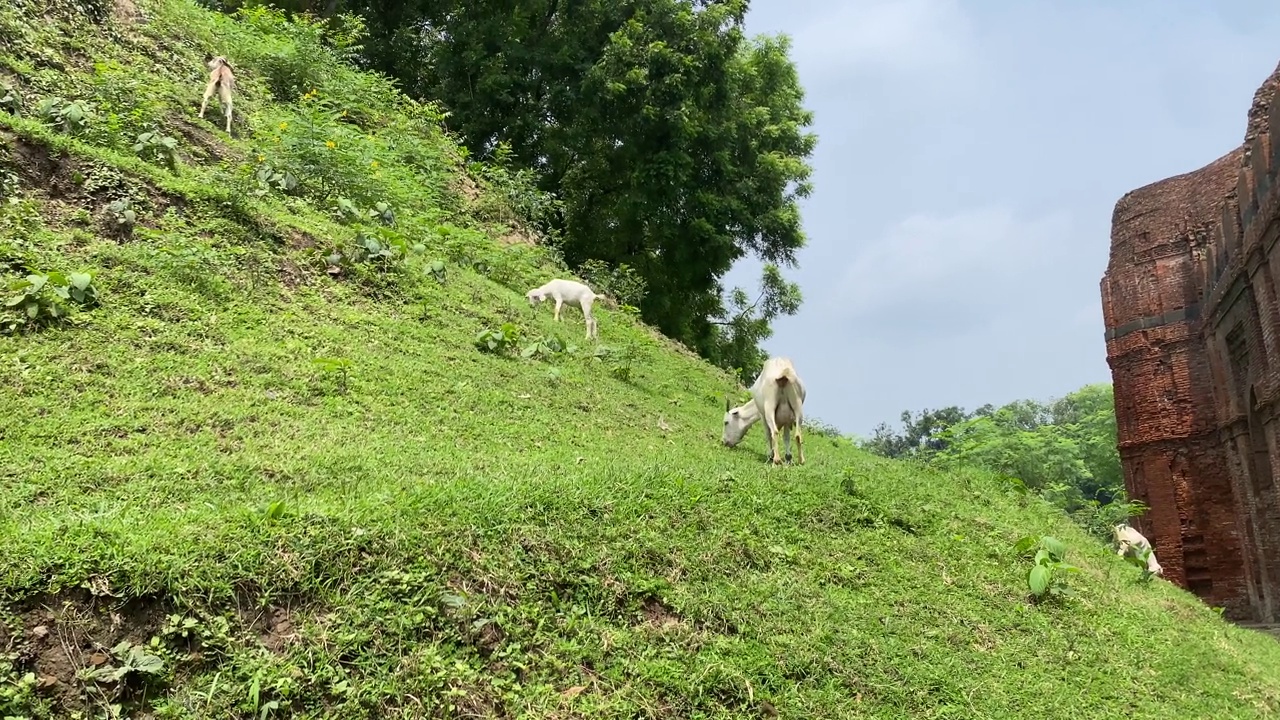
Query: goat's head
{"type": "Point", "coordinates": [534, 297]}
{"type": "Point", "coordinates": [216, 61]}
{"type": "Point", "coordinates": [1153, 565]}
{"type": "Point", "coordinates": [736, 424]}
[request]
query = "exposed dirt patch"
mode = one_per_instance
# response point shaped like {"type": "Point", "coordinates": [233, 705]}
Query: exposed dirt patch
{"type": "Point", "coordinates": [59, 636]}
{"type": "Point", "coordinates": [125, 12]}
{"type": "Point", "coordinates": [291, 274]}
{"type": "Point", "coordinates": [75, 183]}
{"type": "Point", "coordinates": [488, 637]}
{"type": "Point", "coordinates": [205, 143]}
{"type": "Point", "coordinates": [297, 240]}
{"type": "Point", "coordinates": [466, 186]}
{"type": "Point", "coordinates": [517, 236]}
{"type": "Point", "coordinates": [38, 169]}
{"type": "Point", "coordinates": [273, 626]}
{"type": "Point", "coordinates": [657, 614]}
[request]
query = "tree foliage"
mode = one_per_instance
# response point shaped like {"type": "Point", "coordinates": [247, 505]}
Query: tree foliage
{"type": "Point", "coordinates": [741, 327]}
{"type": "Point", "coordinates": [1064, 450]}
{"type": "Point", "coordinates": [676, 144]}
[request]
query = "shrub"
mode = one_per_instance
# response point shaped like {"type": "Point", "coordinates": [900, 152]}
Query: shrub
{"type": "Point", "coordinates": [1047, 576]}
{"type": "Point", "coordinates": [514, 196]}
{"type": "Point", "coordinates": [151, 145]}
{"type": "Point", "coordinates": [292, 57]}
{"type": "Point", "coordinates": [622, 283]}
{"type": "Point", "coordinates": [10, 99]}
{"type": "Point", "coordinates": [121, 216]}
{"type": "Point", "coordinates": [500, 341]}
{"type": "Point", "coordinates": [42, 299]}
{"type": "Point", "coordinates": [70, 116]}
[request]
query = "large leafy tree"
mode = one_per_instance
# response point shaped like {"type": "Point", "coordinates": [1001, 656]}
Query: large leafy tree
{"type": "Point", "coordinates": [677, 145]}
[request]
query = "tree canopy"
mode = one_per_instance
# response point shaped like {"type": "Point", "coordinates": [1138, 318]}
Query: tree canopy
{"type": "Point", "coordinates": [676, 144]}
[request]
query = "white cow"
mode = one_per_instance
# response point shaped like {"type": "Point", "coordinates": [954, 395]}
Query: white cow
{"type": "Point", "coordinates": [1129, 540]}
{"type": "Point", "coordinates": [778, 397]}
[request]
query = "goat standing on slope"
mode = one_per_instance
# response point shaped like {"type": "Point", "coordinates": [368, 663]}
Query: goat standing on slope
{"type": "Point", "coordinates": [222, 80]}
{"type": "Point", "coordinates": [568, 292]}
{"type": "Point", "coordinates": [1129, 540]}
{"type": "Point", "coordinates": [778, 396]}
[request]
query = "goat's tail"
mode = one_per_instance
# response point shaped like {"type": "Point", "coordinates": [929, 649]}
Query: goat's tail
{"type": "Point", "coordinates": [786, 377]}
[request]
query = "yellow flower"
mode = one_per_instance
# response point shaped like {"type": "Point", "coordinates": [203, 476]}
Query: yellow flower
{"type": "Point", "coordinates": [329, 144]}
{"type": "Point", "coordinates": [260, 158]}
{"type": "Point", "coordinates": [344, 113]}
{"type": "Point", "coordinates": [284, 126]}
{"type": "Point", "coordinates": [374, 163]}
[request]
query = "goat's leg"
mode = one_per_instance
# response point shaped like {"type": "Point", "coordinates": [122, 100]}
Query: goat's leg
{"type": "Point", "coordinates": [208, 93]}
{"type": "Point", "coordinates": [771, 425]}
{"type": "Point", "coordinates": [799, 438]}
{"type": "Point", "coordinates": [226, 97]}
{"type": "Point", "coordinates": [559, 304]}
{"type": "Point", "coordinates": [786, 443]}
{"type": "Point", "coordinates": [589, 319]}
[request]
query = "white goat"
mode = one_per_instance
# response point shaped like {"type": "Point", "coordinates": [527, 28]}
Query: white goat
{"type": "Point", "coordinates": [568, 292]}
{"type": "Point", "coordinates": [224, 81]}
{"type": "Point", "coordinates": [778, 396]}
{"type": "Point", "coordinates": [1129, 540]}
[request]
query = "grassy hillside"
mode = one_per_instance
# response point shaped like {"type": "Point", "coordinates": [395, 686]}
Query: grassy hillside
{"type": "Point", "coordinates": [255, 480]}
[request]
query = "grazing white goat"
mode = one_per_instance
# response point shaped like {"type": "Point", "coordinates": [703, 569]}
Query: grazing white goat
{"type": "Point", "coordinates": [1130, 540]}
{"type": "Point", "coordinates": [778, 397]}
{"type": "Point", "coordinates": [568, 292]}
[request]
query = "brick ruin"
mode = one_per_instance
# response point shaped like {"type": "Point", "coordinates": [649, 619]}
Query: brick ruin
{"type": "Point", "coordinates": [1193, 341]}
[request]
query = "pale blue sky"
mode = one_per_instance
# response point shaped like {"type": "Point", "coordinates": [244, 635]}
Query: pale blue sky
{"type": "Point", "coordinates": [969, 157]}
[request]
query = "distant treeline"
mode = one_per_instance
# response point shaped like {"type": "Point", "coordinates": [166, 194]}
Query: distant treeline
{"type": "Point", "coordinates": [1064, 450]}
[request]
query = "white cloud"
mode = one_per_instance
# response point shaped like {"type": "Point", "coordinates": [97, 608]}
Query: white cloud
{"type": "Point", "coordinates": [879, 35]}
{"type": "Point", "coordinates": [985, 259]}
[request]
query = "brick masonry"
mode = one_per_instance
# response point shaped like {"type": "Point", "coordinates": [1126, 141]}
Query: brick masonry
{"type": "Point", "coordinates": [1193, 340]}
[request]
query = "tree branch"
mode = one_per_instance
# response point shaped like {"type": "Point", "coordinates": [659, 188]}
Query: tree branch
{"type": "Point", "coordinates": [740, 315]}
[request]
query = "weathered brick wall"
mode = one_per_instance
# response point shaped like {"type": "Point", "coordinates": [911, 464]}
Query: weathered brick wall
{"type": "Point", "coordinates": [1163, 384]}
{"type": "Point", "coordinates": [1242, 319]}
{"type": "Point", "coordinates": [1193, 341]}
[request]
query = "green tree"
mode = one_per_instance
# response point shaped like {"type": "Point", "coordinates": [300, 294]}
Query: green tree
{"type": "Point", "coordinates": [676, 144]}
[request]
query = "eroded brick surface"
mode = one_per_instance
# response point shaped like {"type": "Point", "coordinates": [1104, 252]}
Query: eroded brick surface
{"type": "Point", "coordinates": [1193, 340]}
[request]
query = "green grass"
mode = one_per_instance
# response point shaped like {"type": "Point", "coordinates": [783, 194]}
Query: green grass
{"type": "Point", "coordinates": [450, 533]}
